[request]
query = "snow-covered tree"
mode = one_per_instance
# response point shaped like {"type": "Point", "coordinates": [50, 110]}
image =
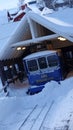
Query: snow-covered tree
{"type": "Point", "coordinates": [50, 3]}
{"type": "Point", "coordinates": [69, 2]}
{"type": "Point", "coordinates": [40, 3]}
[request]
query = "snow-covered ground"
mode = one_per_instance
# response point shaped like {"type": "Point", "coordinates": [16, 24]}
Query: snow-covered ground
{"type": "Point", "coordinates": [51, 109]}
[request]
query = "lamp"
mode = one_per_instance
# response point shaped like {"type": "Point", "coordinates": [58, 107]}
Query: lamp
{"type": "Point", "coordinates": [62, 38]}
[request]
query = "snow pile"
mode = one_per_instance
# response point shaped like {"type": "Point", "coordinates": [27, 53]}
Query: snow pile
{"type": "Point", "coordinates": [3, 17]}
{"type": "Point", "coordinates": [60, 18]}
{"type": "Point", "coordinates": [46, 11]}
{"type": "Point", "coordinates": [14, 110]}
{"type": "Point", "coordinates": [61, 116]}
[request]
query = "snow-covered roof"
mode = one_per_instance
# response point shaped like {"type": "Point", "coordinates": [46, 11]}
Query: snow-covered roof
{"type": "Point", "coordinates": [18, 34]}
{"type": "Point", "coordinates": [3, 17]}
{"type": "Point", "coordinates": [13, 10]}
{"type": "Point", "coordinates": [38, 54]}
{"type": "Point", "coordinates": [6, 32]}
{"type": "Point", "coordinates": [59, 22]}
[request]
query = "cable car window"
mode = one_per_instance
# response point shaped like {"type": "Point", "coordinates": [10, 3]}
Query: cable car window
{"type": "Point", "coordinates": [52, 61]}
{"type": "Point", "coordinates": [42, 63]}
{"type": "Point", "coordinates": [32, 65]}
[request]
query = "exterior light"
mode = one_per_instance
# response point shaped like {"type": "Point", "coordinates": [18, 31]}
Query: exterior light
{"type": "Point", "coordinates": [62, 38]}
{"type": "Point", "coordinates": [23, 48]}
{"type": "Point", "coordinates": [18, 48]}
{"type": "Point", "coordinates": [10, 66]}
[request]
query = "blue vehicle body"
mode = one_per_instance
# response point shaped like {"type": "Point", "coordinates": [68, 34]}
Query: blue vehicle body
{"type": "Point", "coordinates": [40, 79]}
{"type": "Point", "coordinates": [33, 89]}
{"type": "Point", "coordinates": [42, 67]}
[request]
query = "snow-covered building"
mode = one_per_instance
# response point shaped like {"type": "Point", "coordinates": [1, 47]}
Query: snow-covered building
{"type": "Point", "coordinates": [37, 30]}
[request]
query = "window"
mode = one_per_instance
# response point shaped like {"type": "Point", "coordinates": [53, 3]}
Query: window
{"type": "Point", "coordinates": [52, 60]}
{"type": "Point", "coordinates": [69, 54]}
{"type": "Point", "coordinates": [32, 65]}
{"type": "Point", "coordinates": [42, 63]}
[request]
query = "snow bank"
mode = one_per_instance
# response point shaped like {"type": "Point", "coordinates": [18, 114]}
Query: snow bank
{"type": "Point", "coordinates": [13, 110]}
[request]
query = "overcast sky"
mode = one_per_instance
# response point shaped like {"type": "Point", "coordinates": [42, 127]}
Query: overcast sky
{"type": "Point", "coordinates": [8, 4]}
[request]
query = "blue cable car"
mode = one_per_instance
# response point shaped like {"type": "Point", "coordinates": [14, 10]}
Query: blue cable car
{"type": "Point", "coordinates": [42, 67]}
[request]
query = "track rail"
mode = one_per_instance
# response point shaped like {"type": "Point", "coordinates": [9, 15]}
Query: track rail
{"type": "Point", "coordinates": [27, 118]}
{"type": "Point", "coordinates": [41, 118]}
